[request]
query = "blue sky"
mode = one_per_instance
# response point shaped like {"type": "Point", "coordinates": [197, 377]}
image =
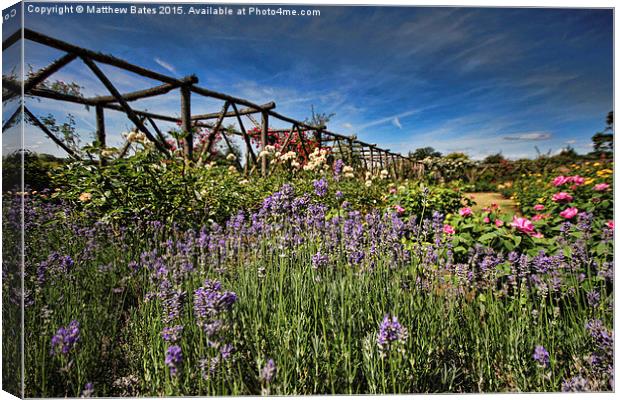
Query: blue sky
{"type": "Point", "coordinates": [458, 79]}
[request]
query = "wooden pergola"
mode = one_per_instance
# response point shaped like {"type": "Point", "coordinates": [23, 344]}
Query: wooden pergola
{"type": "Point", "coordinates": [355, 152]}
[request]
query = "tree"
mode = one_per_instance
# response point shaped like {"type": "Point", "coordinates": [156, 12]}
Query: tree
{"type": "Point", "coordinates": [603, 142]}
{"type": "Point", "coordinates": [424, 152]}
{"type": "Point", "coordinates": [318, 119]}
{"type": "Point", "coordinates": [494, 159]}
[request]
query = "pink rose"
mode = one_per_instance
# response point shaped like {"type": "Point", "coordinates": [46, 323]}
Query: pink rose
{"type": "Point", "coordinates": [569, 212]}
{"type": "Point", "coordinates": [393, 190]}
{"type": "Point", "coordinates": [465, 212]}
{"type": "Point", "coordinates": [448, 229]}
{"type": "Point", "coordinates": [399, 209]}
{"type": "Point", "coordinates": [523, 225]}
{"type": "Point", "coordinates": [486, 220]}
{"type": "Point", "coordinates": [562, 197]}
{"type": "Point", "coordinates": [499, 222]}
{"type": "Point", "coordinates": [601, 187]}
{"type": "Point", "coordinates": [560, 180]}
{"type": "Point", "coordinates": [537, 235]}
{"type": "Point", "coordinates": [537, 217]}
{"type": "Point", "coordinates": [610, 224]}
{"type": "Point", "coordinates": [577, 180]}
{"type": "Point", "coordinates": [539, 207]}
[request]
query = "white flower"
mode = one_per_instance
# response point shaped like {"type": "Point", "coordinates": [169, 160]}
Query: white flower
{"type": "Point", "coordinates": [368, 183]}
{"type": "Point", "coordinates": [384, 173]}
{"type": "Point", "coordinates": [232, 169]}
{"type": "Point", "coordinates": [263, 153]}
{"type": "Point", "coordinates": [231, 157]}
{"type": "Point", "coordinates": [347, 169]}
{"type": "Point", "coordinates": [244, 182]}
{"type": "Point", "coordinates": [349, 175]}
{"type": "Point", "coordinates": [270, 148]}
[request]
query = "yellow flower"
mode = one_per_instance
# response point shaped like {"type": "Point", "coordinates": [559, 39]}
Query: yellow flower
{"type": "Point", "coordinates": [84, 197]}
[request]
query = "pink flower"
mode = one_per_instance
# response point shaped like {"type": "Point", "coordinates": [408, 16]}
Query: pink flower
{"type": "Point", "coordinates": [465, 212]}
{"type": "Point", "coordinates": [393, 190]}
{"type": "Point", "coordinates": [577, 180]}
{"type": "Point", "coordinates": [569, 212]}
{"type": "Point", "coordinates": [560, 180]}
{"type": "Point", "coordinates": [610, 224]}
{"type": "Point", "coordinates": [601, 187]}
{"type": "Point", "coordinates": [539, 207]}
{"type": "Point", "coordinates": [537, 217]}
{"type": "Point", "coordinates": [486, 220]}
{"type": "Point", "coordinates": [523, 225]}
{"type": "Point", "coordinates": [399, 209]}
{"type": "Point", "coordinates": [499, 222]}
{"type": "Point", "coordinates": [448, 229]}
{"type": "Point", "coordinates": [562, 197]}
{"type": "Point", "coordinates": [537, 235]}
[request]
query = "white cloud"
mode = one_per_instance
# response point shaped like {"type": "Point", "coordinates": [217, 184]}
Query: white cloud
{"type": "Point", "coordinates": [572, 141]}
{"type": "Point", "coordinates": [165, 65]}
{"type": "Point", "coordinates": [396, 122]}
{"type": "Point", "coordinates": [347, 125]}
{"type": "Point", "coordinates": [529, 136]}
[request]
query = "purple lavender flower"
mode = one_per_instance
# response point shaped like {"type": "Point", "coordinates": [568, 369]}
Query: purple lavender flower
{"type": "Point", "coordinates": [593, 298]}
{"type": "Point", "coordinates": [338, 166]}
{"type": "Point", "coordinates": [268, 372]}
{"type": "Point", "coordinates": [319, 260]}
{"type": "Point", "coordinates": [210, 300]}
{"type": "Point", "coordinates": [391, 331]}
{"type": "Point", "coordinates": [88, 391]}
{"type": "Point", "coordinates": [541, 355]}
{"type": "Point", "coordinates": [174, 359]}
{"type": "Point", "coordinates": [339, 194]}
{"type": "Point", "coordinates": [172, 333]}
{"type": "Point", "coordinates": [576, 384]}
{"type": "Point", "coordinates": [226, 351]}
{"type": "Point", "coordinates": [603, 337]}
{"type": "Point", "coordinates": [320, 187]}
{"type": "Point", "coordinates": [66, 338]}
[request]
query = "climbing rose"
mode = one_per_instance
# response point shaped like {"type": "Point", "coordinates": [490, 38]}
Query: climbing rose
{"type": "Point", "coordinates": [569, 213]}
{"type": "Point", "coordinates": [561, 197]}
{"type": "Point", "coordinates": [465, 212]}
{"type": "Point", "coordinates": [523, 225]}
{"type": "Point", "coordinates": [560, 180]}
{"type": "Point", "coordinates": [448, 229]}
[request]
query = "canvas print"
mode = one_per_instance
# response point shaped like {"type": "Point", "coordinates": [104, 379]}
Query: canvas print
{"type": "Point", "coordinates": [251, 199]}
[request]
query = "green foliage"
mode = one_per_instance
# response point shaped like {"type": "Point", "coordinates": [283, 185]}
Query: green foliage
{"type": "Point", "coordinates": [421, 200]}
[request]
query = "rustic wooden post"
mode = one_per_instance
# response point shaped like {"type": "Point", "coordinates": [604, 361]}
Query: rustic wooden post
{"type": "Point", "coordinates": [372, 160]}
{"type": "Point", "coordinates": [100, 132]}
{"type": "Point", "coordinates": [350, 140]}
{"type": "Point", "coordinates": [186, 123]}
{"type": "Point", "coordinates": [263, 140]}
{"type": "Point", "coordinates": [318, 136]}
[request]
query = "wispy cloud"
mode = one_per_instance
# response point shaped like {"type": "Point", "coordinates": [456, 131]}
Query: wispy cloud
{"type": "Point", "coordinates": [528, 136]}
{"type": "Point", "coordinates": [396, 123]}
{"type": "Point", "coordinates": [165, 65]}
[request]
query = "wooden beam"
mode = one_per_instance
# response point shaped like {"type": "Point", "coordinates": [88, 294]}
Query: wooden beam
{"type": "Point", "coordinates": [45, 130]}
{"type": "Point", "coordinates": [11, 40]}
{"type": "Point", "coordinates": [246, 137]}
{"type": "Point", "coordinates": [9, 122]}
{"type": "Point", "coordinates": [263, 141]}
{"type": "Point", "coordinates": [206, 147]}
{"type": "Point", "coordinates": [186, 123]}
{"type": "Point", "coordinates": [130, 113]}
{"type": "Point", "coordinates": [138, 94]}
{"type": "Point", "coordinates": [100, 132]}
{"type": "Point", "coordinates": [243, 111]}
{"type": "Point", "coordinates": [92, 55]}
{"type": "Point", "coordinates": [45, 73]}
